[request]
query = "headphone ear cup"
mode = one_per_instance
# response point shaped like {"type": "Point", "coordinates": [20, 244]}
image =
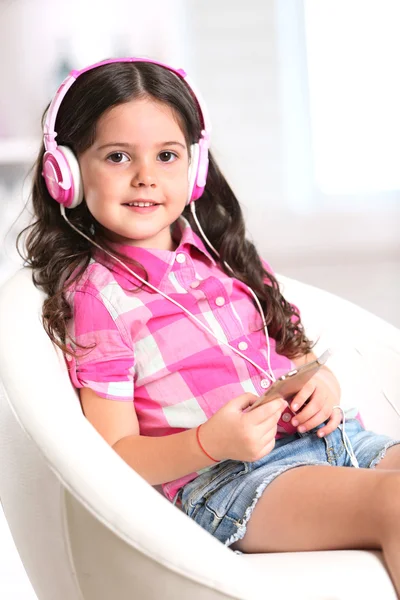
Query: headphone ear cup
{"type": "Point", "coordinates": [193, 168]}
{"type": "Point", "coordinates": [62, 176]}
{"type": "Point", "coordinates": [75, 176]}
{"type": "Point", "coordinates": [198, 168]}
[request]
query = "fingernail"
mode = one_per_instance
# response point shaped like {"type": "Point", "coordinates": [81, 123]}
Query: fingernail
{"type": "Point", "coordinates": [295, 423]}
{"type": "Point", "coordinates": [302, 429]}
{"type": "Point", "coordinates": [321, 433]}
{"type": "Point", "coordinates": [295, 406]}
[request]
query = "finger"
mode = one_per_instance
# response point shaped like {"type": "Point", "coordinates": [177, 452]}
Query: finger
{"type": "Point", "coordinates": [268, 427]}
{"type": "Point", "coordinates": [315, 405]}
{"type": "Point", "coordinates": [270, 446]}
{"type": "Point", "coordinates": [317, 419]}
{"type": "Point", "coordinates": [267, 448]}
{"type": "Point", "coordinates": [269, 435]}
{"type": "Point", "coordinates": [264, 411]}
{"type": "Point", "coordinates": [334, 421]}
{"type": "Point", "coordinates": [302, 396]}
{"type": "Point", "coordinates": [244, 401]}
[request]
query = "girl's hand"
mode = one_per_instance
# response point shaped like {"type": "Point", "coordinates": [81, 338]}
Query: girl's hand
{"type": "Point", "coordinates": [234, 434]}
{"type": "Point", "coordinates": [322, 393]}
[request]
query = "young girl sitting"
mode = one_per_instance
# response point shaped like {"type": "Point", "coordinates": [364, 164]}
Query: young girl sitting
{"type": "Point", "coordinates": [172, 326]}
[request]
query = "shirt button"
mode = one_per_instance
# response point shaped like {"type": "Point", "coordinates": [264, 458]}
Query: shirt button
{"type": "Point", "coordinates": [180, 258]}
{"type": "Point", "coordinates": [219, 301]}
{"type": "Point", "coordinates": [242, 346]}
{"type": "Point", "coordinates": [264, 383]}
{"type": "Point", "coordinates": [286, 417]}
{"type": "Point", "coordinates": [195, 284]}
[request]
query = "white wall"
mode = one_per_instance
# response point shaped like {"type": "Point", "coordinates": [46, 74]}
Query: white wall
{"type": "Point", "coordinates": [246, 59]}
{"type": "Point", "coordinates": [38, 35]}
{"type": "Point", "coordinates": [248, 64]}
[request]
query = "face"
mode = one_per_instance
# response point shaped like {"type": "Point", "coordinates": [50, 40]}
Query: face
{"type": "Point", "coordinates": [135, 174]}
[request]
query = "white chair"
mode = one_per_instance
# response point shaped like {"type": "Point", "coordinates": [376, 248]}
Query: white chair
{"type": "Point", "coordinates": [87, 527]}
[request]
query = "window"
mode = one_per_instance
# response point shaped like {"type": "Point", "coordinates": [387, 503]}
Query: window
{"type": "Point", "coordinates": [340, 91]}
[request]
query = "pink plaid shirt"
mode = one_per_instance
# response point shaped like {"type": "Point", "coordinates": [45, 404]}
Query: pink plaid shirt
{"type": "Point", "coordinates": [149, 352]}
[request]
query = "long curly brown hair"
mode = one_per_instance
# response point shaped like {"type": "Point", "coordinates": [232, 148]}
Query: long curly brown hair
{"type": "Point", "coordinates": [58, 255]}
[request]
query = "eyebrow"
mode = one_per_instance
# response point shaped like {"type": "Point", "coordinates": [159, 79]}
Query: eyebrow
{"type": "Point", "coordinates": [126, 145]}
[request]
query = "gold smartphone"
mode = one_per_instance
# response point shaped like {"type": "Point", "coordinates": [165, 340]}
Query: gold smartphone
{"type": "Point", "coordinates": [291, 382]}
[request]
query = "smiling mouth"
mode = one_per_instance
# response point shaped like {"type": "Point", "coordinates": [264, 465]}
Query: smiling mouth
{"type": "Point", "coordinates": [141, 204]}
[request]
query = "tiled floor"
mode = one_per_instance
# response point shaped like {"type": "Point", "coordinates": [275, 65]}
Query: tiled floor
{"type": "Point", "coordinates": [14, 583]}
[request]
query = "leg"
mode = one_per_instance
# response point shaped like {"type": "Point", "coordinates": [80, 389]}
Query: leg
{"type": "Point", "coordinates": [323, 509]}
{"type": "Point", "coordinates": [391, 460]}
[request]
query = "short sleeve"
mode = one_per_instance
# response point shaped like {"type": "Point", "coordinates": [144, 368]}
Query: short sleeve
{"type": "Point", "coordinates": [106, 363]}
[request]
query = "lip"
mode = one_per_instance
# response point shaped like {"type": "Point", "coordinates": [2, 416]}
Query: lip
{"type": "Point", "coordinates": [141, 200]}
{"type": "Point", "coordinates": [142, 209]}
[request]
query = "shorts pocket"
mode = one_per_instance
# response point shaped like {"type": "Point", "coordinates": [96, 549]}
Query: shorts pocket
{"type": "Point", "coordinates": [220, 500]}
{"type": "Point", "coordinates": [209, 483]}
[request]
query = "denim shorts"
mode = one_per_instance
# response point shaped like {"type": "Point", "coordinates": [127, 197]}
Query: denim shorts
{"type": "Point", "coordinates": [223, 498]}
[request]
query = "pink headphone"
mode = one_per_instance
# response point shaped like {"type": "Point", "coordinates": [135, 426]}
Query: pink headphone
{"type": "Point", "coordinates": [61, 168]}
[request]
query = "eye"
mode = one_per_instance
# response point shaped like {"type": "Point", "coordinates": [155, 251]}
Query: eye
{"type": "Point", "coordinates": [117, 157]}
{"type": "Point", "coordinates": [167, 156]}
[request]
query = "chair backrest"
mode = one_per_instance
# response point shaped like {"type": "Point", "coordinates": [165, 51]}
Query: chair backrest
{"type": "Point", "coordinates": [366, 356]}
{"type": "Point", "coordinates": [30, 492]}
{"type": "Point", "coordinates": [91, 532]}
{"type": "Point", "coordinates": [85, 524]}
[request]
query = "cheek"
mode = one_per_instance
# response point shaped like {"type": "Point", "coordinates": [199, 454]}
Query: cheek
{"type": "Point", "coordinates": [88, 181]}
{"type": "Point", "coordinates": [97, 186]}
{"type": "Point", "coordinates": [179, 178]}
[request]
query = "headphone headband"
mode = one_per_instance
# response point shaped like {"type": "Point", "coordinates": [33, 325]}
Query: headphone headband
{"type": "Point", "coordinates": [48, 130]}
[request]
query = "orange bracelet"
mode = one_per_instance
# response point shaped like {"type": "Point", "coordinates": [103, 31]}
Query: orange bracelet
{"type": "Point", "coordinates": [199, 442]}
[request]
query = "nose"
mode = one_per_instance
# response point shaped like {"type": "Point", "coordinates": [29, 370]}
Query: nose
{"type": "Point", "coordinates": [144, 176]}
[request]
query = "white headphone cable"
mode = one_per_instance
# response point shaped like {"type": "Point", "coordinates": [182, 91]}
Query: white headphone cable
{"type": "Point", "coordinates": [193, 317]}
{"type": "Point", "coordinates": [260, 310]}
{"type": "Point", "coordinates": [346, 441]}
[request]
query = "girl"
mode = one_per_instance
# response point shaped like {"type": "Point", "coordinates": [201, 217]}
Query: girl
{"type": "Point", "coordinates": [161, 306]}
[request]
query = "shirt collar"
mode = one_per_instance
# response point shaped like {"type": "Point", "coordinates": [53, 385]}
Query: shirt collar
{"type": "Point", "coordinates": [157, 263]}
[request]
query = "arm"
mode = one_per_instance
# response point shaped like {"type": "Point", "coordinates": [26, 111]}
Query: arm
{"type": "Point", "coordinates": [117, 423]}
{"type": "Point", "coordinates": [104, 376]}
{"type": "Point", "coordinates": [230, 433]}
